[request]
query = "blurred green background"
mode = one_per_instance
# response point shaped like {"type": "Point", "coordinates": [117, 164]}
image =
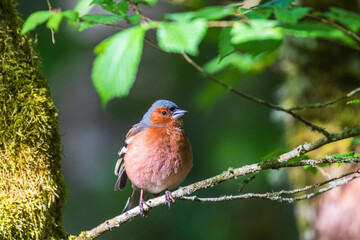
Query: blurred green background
{"type": "Point", "coordinates": [225, 131]}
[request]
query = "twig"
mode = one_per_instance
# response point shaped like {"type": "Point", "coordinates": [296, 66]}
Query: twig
{"type": "Point", "coordinates": [254, 99]}
{"type": "Point", "coordinates": [319, 105]}
{"type": "Point", "coordinates": [51, 30]}
{"type": "Point", "coordinates": [307, 147]}
{"type": "Point", "coordinates": [231, 174]}
{"type": "Point", "coordinates": [277, 196]}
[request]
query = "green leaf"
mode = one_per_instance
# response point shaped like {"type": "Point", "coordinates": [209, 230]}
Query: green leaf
{"type": "Point", "coordinates": [122, 8]}
{"type": "Point", "coordinates": [299, 158]}
{"type": "Point", "coordinates": [101, 18]}
{"type": "Point", "coordinates": [344, 155]}
{"type": "Point", "coordinates": [83, 7]}
{"type": "Point", "coordinates": [311, 169]}
{"type": "Point", "coordinates": [151, 2]}
{"type": "Point", "coordinates": [279, 3]}
{"type": "Point", "coordinates": [258, 37]}
{"type": "Point", "coordinates": [94, 19]}
{"type": "Point", "coordinates": [259, 13]}
{"type": "Point", "coordinates": [349, 19]}
{"type": "Point", "coordinates": [258, 29]}
{"type": "Point", "coordinates": [181, 37]}
{"type": "Point", "coordinates": [35, 19]}
{"type": "Point", "coordinates": [242, 62]}
{"type": "Point", "coordinates": [316, 30]}
{"type": "Point", "coordinates": [102, 1]}
{"type": "Point", "coordinates": [115, 67]}
{"type": "Point", "coordinates": [71, 15]}
{"type": "Point", "coordinates": [355, 141]}
{"type": "Point", "coordinates": [225, 45]}
{"type": "Point", "coordinates": [146, 2]}
{"type": "Point", "coordinates": [208, 13]}
{"type": "Point", "coordinates": [135, 19]}
{"type": "Point", "coordinates": [291, 16]}
{"type": "Point", "coordinates": [355, 101]}
{"type": "Point", "coordinates": [54, 21]}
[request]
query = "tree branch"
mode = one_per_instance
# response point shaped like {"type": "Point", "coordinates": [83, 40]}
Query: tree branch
{"type": "Point", "coordinates": [254, 99]}
{"type": "Point", "coordinates": [274, 163]}
{"type": "Point", "coordinates": [277, 196]}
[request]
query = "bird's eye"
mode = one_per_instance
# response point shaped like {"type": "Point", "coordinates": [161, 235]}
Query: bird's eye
{"type": "Point", "coordinates": [163, 112]}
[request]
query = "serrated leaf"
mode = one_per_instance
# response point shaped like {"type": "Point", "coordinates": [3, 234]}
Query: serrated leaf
{"type": "Point", "coordinates": [258, 29]}
{"type": "Point", "coordinates": [225, 45]}
{"type": "Point", "coordinates": [258, 37]}
{"type": "Point", "coordinates": [71, 15]}
{"type": "Point", "coordinates": [355, 101]}
{"type": "Point", "coordinates": [316, 30]}
{"type": "Point", "coordinates": [115, 67]}
{"type": "Point", "coordinates": [54, 21]}
{"type": "Point", "coordinates": [35, 19]}
{"type": "Point", "coordinates": [291, 16]}
{"type": "Point", "coordinates": [208, 13]}
{"type": "Point", "coordinates": [181, 37]}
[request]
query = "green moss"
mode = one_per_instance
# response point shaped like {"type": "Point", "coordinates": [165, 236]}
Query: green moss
{"type": "Point", "coordinates": [32, 190]}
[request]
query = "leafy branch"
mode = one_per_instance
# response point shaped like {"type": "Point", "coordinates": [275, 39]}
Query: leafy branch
{"type": "Point", "coordinates": [253, 33]}
{"type": "Point", "coordinates": [273, 163]}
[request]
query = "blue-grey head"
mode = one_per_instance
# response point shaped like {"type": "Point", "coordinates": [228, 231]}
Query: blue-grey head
{"type": "Point", "coordinates": [163, 113]}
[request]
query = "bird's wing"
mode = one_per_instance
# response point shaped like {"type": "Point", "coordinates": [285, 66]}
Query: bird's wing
{"type": "Point", "coordinates": [120, 165]}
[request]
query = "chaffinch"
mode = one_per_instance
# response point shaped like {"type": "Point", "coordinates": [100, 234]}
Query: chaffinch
{"type": "Point", "coordinates": [156, 155]}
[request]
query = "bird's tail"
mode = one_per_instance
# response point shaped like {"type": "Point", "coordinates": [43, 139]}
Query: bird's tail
{"type": "Point", "coordinates": [134, 199]}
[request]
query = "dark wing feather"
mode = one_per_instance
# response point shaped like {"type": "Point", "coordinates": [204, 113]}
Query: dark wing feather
{"type": "Point", "coordinates": [120, 165]}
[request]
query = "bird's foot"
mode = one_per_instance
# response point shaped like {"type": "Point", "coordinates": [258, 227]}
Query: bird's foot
{"type": "Point", "coordinates": [142, 202]}
{"type": "Point", "coordinates": [168, 198]}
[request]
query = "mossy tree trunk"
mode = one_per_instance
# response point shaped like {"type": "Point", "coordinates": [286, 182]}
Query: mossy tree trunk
{"type": "Point", "coordinates": [318, 71]}
{"type": "Point", "coordinates": [32, 190]}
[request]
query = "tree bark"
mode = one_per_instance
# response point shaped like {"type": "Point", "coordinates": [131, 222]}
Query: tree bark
{"type": "Point", "coordinates": [32, 190]}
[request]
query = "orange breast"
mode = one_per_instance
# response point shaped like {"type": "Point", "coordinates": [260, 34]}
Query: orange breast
{"type": "Point", "coordinates": [158, 158]}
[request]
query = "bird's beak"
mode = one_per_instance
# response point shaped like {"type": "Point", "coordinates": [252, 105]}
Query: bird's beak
{"type": "Point", "coordinates": [178, 113]}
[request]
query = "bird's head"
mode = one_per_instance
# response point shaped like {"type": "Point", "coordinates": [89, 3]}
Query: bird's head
{"type": "Point", "coordinates": [163, 113]}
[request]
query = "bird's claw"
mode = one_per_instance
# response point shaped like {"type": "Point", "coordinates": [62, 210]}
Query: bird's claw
{"type": "Point", "coordinates": [169, 198]}
{"type": "Point", "coordinates": [141, 206]}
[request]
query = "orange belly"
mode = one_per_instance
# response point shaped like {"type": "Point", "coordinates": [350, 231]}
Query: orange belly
{"type": "Point", "coordinates": [158, 159]}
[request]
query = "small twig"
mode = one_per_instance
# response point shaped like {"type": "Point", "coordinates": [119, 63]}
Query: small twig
{"type": "Point", "coordinates": [51, 30]}
{"type": "Point", "coordinates": [319, 105]}
{"type": "Point", "coordinates": [49, 5]}
{"type": "Point", "coordinates": [254, 99]}
{"type": "Point", "coordinates": [246, 181]}
{"type": "Point", "coordinates": [277, 196]}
